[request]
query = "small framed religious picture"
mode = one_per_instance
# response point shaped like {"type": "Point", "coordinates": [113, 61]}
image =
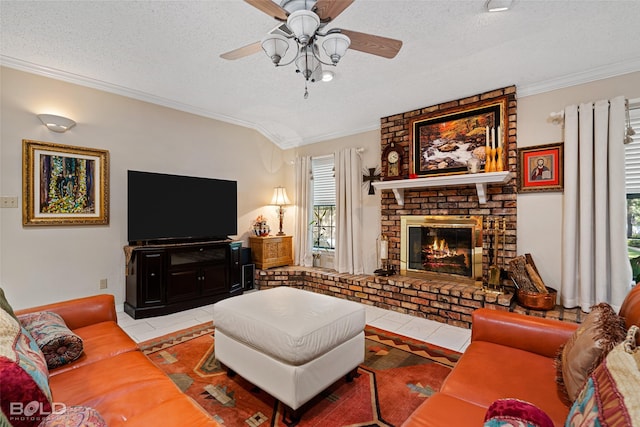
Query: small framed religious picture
{"type": "Point", "coordinates": [392, 158]}
{"type": "Point", "coordinates": [540, 168]}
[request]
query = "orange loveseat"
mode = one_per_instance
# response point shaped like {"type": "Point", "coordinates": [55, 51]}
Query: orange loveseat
{"type": "Point", "coordinates": [112, 375]}
{"type": "Point", "coordinates": [510, 356]}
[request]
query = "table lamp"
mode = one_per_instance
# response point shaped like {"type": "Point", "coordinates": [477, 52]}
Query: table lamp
{"type": "Point", "coordinates": [280, 199]}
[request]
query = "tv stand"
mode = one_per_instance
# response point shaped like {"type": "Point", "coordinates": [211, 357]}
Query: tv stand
{"type": "Point", "coordinates": [166, 278]}
{"type": "Point", "coordinates": [177, 241]}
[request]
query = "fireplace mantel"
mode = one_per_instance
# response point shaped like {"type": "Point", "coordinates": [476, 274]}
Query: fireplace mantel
{"type": "Point", "coordinates": [479, 179]}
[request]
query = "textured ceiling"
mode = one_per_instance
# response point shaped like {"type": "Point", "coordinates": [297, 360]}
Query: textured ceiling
{"type": "Point", "coordinates": [168, 52]}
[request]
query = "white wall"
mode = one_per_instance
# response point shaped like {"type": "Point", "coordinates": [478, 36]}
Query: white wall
{"type": "Point", "coordinates": [540, 214]}
{"type": "Point", "coordinates": [43, 264]}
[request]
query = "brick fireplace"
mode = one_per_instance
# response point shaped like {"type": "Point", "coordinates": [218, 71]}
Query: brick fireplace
{"type": "Point", "coordinates": [445, 299]}
{"type": "Point", "coordinates": [451, 200]}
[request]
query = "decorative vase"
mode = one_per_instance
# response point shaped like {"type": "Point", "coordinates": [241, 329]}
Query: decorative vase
{"type": "Point", "coordinates": [261, 229]}
{"type": "Point", "coordinates": [473, 165]}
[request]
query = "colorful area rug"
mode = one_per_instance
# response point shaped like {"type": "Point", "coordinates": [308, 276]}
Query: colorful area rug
{"type": "Point", "coordinates": [398, 374]}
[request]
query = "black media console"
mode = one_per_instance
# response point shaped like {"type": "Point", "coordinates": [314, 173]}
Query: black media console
{"type": "Point", "coordinates": [167, 278]}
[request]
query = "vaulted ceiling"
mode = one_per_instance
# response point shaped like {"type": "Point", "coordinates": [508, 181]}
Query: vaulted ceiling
{"type": "Point", "coordinates": [168, 52]}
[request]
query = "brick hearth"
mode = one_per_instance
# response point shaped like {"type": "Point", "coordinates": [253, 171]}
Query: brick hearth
{"type": "Point", "coordinates": [435, 300]}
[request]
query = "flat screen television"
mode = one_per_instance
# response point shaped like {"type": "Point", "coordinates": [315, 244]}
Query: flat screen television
{"type": "Point", "coordinates": [164, 207]}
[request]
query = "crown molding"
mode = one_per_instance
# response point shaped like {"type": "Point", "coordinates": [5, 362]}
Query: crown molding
{"type": "Point", "coordinates": [78, 79]}
{"type": "Point", "coordinates": [587, 76]}
{"type": "Point", "coordinates": [296, 142]}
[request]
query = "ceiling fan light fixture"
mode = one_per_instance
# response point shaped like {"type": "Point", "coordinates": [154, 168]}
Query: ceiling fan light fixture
{"type": "Point", "coordinates": [498, 5]}
{"type": "Point", "coordinates": [336, 45]}
{"type": "Point", "coordinates": [304, 24]}
{"type": "Point", "coordinates": [275, 46]}
{"type": "Point", "coordinates": [308, 64]}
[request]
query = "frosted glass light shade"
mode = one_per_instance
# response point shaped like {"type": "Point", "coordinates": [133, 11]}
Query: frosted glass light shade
{"type": "Point", "coordinates": [304, 24]}
{"type": "Point", "coordinates": [280, 197]}
{"type": "Point", "coordinates": [307, 64]}
{"type": "Point", "coordinates": [275, 46]}
{"type": "Point", "coordinates": [56, 123]}
{"type": "Point", "coordinates": [336, 45]}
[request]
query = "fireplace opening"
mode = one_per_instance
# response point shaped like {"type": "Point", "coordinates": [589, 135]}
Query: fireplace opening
{"type": "Point", "coordinates": [440, 250]}
{"type": "Point", "coordinates": [442, 246]}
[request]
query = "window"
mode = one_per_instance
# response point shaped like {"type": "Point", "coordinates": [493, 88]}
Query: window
{"type": "Point", "coordinates": [632, 184]}
{"type": "Point", "coordinates": [324, 202]}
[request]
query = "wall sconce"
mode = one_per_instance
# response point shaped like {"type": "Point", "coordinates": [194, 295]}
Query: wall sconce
{"type": "Point", "coordinates": [280, 199]}
{"type": "Point", "coordinates": [56, 123]}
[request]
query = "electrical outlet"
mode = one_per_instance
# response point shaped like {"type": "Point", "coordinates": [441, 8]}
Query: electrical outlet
{"type": "Point", "coordinates": [103, 283]}
{"type": "Point", "coordinates": [9, 202]}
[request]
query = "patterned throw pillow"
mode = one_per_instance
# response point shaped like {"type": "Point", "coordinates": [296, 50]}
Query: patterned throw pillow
{"type": "Point", "coordinates": [610, 396]}
{"type": "Point", "coordinates": [24, 388]}
{"type": "Point", "coordinates": [515, 412]}
{"type": "Point", "coordinates": [600, 331]}
{"type": "Point", "coordinates": [59, 345]}
{"type": "Point", "coordinates": [75, 416]}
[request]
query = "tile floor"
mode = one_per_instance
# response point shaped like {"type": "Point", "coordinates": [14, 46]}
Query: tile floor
{"type": "Point", "coordinates": [437, 333]}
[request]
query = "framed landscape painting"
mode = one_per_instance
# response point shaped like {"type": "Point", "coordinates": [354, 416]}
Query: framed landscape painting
{"type": "Point", "coordinates": [445, 141]}
{"type": "Point", "coordinates": [541, 168]}
{"type": "Point", "coordinates": [64, 185]}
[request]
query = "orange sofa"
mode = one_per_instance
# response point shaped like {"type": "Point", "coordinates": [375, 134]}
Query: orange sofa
{"type": "Point", "coordinates": [112, 375]}
{"type": "Point", "coordinates": [510, 356]}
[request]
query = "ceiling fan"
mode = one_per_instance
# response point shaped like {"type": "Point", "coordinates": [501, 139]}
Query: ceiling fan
{"type": "Point", "coordinates": [304, 22]}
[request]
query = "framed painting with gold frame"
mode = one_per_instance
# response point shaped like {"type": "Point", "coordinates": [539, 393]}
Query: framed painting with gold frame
{"type": "Point", "coordinates": [445, 140]}
{"type": "Point", "coordinates": [64, 185]}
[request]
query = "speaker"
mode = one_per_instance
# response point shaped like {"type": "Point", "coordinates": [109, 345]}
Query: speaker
{"type": "Point", "coordinates": [248, 276]}
{"type": "Point", "coordinates": [245, 256]}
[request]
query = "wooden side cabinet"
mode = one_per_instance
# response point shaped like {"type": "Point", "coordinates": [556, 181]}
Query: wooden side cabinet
{"type": "Point", "coordinates": [271, 251]}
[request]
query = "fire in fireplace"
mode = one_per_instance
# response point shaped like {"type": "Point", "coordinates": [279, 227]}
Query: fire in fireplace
{"type": "Point", "coordinates": [442, 246]}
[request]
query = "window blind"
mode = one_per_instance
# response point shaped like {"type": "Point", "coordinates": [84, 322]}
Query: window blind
{"type": "Point", "coordinates": [632, 153]}
{"type": "Point", "coordinates": [324, 182]}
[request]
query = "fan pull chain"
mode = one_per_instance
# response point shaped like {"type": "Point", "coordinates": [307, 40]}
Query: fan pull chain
{"type": "Point", "coordinates": [306, 92]}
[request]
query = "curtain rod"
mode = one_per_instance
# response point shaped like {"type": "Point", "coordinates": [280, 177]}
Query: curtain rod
{"type": "Point", "coordinates": [360, 150]}
{"type": "Point", "coordinates": [558, 117]}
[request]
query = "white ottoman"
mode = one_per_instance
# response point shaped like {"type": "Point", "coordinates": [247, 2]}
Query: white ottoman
{"type": "Point", "coordinates": [291, 343]}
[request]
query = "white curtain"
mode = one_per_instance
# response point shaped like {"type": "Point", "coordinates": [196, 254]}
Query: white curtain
{"type": "Point", "coordinates": [595, 264]}
{"type": "Point", "coordinates": [303, 250]}
{"type": "Point", "coordinates": [348, 253]}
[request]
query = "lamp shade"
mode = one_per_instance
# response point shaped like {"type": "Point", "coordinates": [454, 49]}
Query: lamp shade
{"type": "Point", "coordinates": [280, 197]}
{"type": "Point", "coordinates": [56, 123]}
{"type": "Point", "coordinates": [336, 45]}
{"type": "Point", "coordinates": [304, 24]}
{"type": "Point", "coordinates": [307, 63]}
{"type": "Point", "coordinates": [275, 46]}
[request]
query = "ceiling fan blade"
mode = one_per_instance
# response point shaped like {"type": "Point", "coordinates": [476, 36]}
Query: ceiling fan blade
{"type": "Point", "coordinates": [270, 8]}
{"type": "Point", "coordinates": [327, 10]}
{"type": "Point", "coordinates": [375, 45]}
{"type": "Point", "coordinates": [243, 51]}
